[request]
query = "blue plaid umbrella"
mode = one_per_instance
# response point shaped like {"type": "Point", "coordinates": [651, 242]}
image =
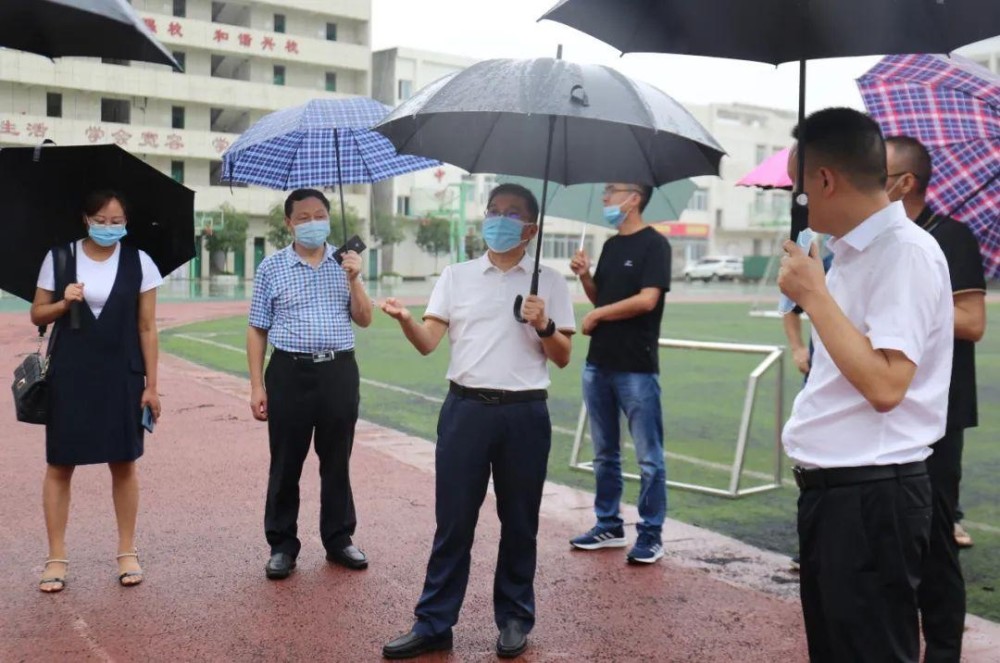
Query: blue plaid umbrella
{"type": "Point", "coordinates": [951, 105]}
{"type": "Point", "coordinates": [325, 142]}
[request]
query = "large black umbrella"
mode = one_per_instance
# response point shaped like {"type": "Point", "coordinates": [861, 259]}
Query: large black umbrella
{"type": "Point", "coordinates": [777, 31]}
{"type": "Point", "coordinates": [553, 120]}
{"type": "Point", "coordinates": [88, 28]}
{"type": "Point", "coordinates": [41, 194]}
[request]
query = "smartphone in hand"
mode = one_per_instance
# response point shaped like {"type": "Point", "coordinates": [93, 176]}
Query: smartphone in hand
{"type": "Point", "coordinates": [353, 244]}
{"type": "Point", "coordinates": [148, 422]}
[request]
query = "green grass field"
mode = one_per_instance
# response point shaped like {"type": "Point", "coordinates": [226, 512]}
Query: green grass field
{"type": "Point", "coordinates": [703, 395]}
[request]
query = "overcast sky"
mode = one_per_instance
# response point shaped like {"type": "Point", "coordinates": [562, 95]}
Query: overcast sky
{"type": "Point", "coordinates": [484, 29]}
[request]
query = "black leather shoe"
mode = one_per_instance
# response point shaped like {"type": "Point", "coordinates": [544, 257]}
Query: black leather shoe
{"type": "Point", "coordinates": [512, 640]}
{"type": "Point", "coordinates": [413, 644]}
{"type": "Point", "coordinates": [279, 566]}
{"type": "Point", "coordinates": [348, 556]}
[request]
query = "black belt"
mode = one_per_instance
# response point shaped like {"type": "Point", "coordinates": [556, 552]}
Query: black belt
{"type": "Point", "coordinates": [498, 396]}
{"type": "Point", "coordinates": [844, 476]}
{"type": "Point", "coordinates": [314, 357]}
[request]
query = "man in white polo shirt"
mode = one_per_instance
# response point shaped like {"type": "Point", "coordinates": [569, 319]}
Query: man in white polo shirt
{"type": "Point", "coordinates": [495, 417]}
{"type": "Point", "coordinates": [876, 399]}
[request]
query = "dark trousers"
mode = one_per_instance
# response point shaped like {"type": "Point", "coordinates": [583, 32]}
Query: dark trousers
{"type": "Point", "coordinates": [473, 437]}
{"type": "Point", "coordinates": [306, 400]}
{"type": "Point", "coordinates": [942, 587]}
{"type": "Point", "coordinates": [861, 548]}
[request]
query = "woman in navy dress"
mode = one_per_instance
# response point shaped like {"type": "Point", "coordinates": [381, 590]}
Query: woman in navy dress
{"type": "Point", "coordinates": [100, 377]}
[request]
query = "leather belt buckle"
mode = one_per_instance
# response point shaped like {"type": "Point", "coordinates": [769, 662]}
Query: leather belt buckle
{"type": "Point", "coordinates": [320, 357]}
{"type": "Point", "coordinates": [488, 398]}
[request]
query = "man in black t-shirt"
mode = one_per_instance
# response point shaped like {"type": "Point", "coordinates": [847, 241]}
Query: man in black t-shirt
{"type": "Point", "coordinates": [942, 590]}
{"type": "Point", "coordinates": [622, 370]}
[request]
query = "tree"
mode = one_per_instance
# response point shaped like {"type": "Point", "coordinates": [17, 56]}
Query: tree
{"type": "Point", "coordinates": [228, 234]}
{"type": "Point", "coordinates": [279, 236]}
{"type": "Point", "coordinates": [388, 229]}
{"type": "Point", "coordinates": [434, 237]}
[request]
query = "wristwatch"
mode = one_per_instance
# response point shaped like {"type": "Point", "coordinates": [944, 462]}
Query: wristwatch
{"type": "Point", "coordinates": [549, 330]}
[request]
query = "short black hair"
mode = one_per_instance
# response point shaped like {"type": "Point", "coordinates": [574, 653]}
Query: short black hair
{"type": "Point", "coordinates": [847, 140]}
{"type": "Point", "coordinates": [521, 192]}
{"type": "Point", "coordinates": [916, 157]}
{"type": "Point", "coordinates": [95, 201]}
{"type": "Point", "coordinates": [303, 194]}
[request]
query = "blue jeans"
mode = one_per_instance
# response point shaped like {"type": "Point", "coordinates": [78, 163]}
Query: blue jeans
{"type": "Point", "coordinates": [607, 393]}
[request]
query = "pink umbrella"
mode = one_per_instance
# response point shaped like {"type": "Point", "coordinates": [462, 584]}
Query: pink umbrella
{"type": "Point", "coordinates": [772, 173]}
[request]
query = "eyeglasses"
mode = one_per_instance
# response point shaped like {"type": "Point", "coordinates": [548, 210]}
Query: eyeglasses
{"type": "Point", "coordinates": [510, 214]}
{"type": "Point", "coordinates": [609, 190]}
{"type": "Point", "coordinates": [102, 221]}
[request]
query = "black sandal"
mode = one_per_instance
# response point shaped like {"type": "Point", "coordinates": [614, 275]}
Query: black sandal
{"type": "Point", "coordinates": [60, 582]}
{"type": "Point", "coordinates": [130, 574]}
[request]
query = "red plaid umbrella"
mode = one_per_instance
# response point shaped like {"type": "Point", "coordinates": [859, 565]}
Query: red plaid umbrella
{"type": "Point", "coordinates": [951, 105]}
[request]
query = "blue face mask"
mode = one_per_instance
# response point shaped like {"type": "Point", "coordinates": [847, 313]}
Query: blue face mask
{"type": "Point", "coordinates": [502, 233]}
{"type": "Point", "coordinates": [106, 235]}
{"type": "Point", "coordinates": [312, 234]}
{"type": "Point", "coordinates": [613, 215]}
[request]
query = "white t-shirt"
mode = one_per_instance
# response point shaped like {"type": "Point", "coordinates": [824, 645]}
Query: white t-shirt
{"type": "Point", "coordinates": [489, 348]}
{"type": "Point", "coordinates": [98, 278]}
{"type": "Point", "coordinates": [890, 278]}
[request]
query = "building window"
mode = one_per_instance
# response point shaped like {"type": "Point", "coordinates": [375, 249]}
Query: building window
{"type": "Point", "coordinates": [180, 8]}
{"type": "Point", "coordinates": [279, 23]}
{"type": "Point", "coordinates": [115, 110]}
{"type": "Point", "coordinates": [181, 58]}
{"type": "Point", "coordinates": [405, 89]}
{"type": "Point", "coordinates": [718, 219]}
{"type": "Point", "coordinates": [279, 74]}
{"type": "Point", "coordinates": [53, 104]}
{"type": "Point", "coordinates": [331, 81]}
{"type": "Point", "coordinates": [115, 61]}
{"type": "Point", "coordinates": [699, 200]}
{"type": "Point", "coordinates": [331, 32]}
{"type": "Point", "coordinates": [177, 171]}
{"type": "Point", "coordinates": [760, 202]}
{"type": "Point", "coordinates": [402, 205]}
{"type": "Point", "coordinates": [177, 117]}
{"type": "Point", "coordinates": [761, 153]}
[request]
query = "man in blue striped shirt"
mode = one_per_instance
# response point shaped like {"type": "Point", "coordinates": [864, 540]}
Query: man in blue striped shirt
{"type": "Point", "coordinates": [304, 302]}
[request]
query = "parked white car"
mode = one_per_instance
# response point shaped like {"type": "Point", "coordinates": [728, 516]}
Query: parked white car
{"type": "Point", "coordinates": [715, 268]}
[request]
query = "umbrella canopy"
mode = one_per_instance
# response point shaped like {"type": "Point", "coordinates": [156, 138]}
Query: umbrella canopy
{"type": "Point", "coordinates": [952, 106]}
{"type": "Point", "coordinates": [771, 173]}
{"type": "Point", "coordinates": [86, 28]}
{"type": "Point", "coordinates": [555, 120]}
{"type": "Point", "coordinates": [776, 31]}
{"type": "Point", "coordinates": [324, 142]}
{"type": "Point", "coordinates": [42, 191]}
{"type": "Point", "coordinates": [585, 202]}
{"type": "Point", "coordinates": [498, 116]}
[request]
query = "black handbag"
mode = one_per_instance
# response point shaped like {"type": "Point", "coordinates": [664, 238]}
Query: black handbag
{"type": "Point", "coordinates": [31, 391]}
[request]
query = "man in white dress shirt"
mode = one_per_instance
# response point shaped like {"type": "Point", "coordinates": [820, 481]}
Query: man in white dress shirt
{"type": "Point", "coordinates": [494, 420]}
{"type": "Point", "coordinates": [876, 399]}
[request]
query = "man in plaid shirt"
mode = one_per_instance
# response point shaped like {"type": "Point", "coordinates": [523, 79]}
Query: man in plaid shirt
{"type": "Point", "coordinates": [304, 302]}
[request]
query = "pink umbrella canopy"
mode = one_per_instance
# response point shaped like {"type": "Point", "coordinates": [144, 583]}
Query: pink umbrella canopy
{"type": "Point", "coordinates": [771, 173]}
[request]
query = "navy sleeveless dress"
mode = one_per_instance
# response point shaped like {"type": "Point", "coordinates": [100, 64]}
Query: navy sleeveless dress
{"type": "Point", "coordinates": [97, 375]}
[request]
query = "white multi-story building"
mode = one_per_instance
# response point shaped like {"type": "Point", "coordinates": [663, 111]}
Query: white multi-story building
{"type": "Point", "coordinates": [743, 221]}
{"type": "Point", "coordinates": [241, 61]}
{"type": "Point", "coordinates": [986, 53]}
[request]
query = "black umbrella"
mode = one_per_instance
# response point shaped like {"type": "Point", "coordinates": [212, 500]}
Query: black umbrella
{"type": "Point", "coordinates": [41, 194]}
{"type": "Point", "coordinates": [778, 31]}
{"type": "Point", "coordinates": [88, 28]}
{"type": "Point", "coordinates": [553, 120]}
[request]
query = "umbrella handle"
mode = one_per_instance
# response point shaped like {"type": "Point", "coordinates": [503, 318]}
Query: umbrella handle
{"type": "Point", "coordinates": [74, 315]}
{"type": "Point", "coordinates": [517, 309]}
